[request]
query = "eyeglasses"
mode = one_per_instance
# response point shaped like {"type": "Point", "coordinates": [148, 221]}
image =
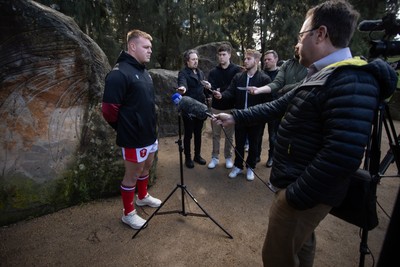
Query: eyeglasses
{"type": "Point", "coordinates": [300, 34]}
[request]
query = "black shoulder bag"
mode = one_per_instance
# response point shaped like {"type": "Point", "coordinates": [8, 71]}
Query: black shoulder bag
{"type": "Point", "coordinates": [359, 205]}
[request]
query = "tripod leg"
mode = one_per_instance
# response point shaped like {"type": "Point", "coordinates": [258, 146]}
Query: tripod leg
{"type": "Point", "coordinates": [206, 213]}
{"type": "Point", "coordinates": [155, 212]}
{"type": "Point", "coordinates": [364, 250]}
{"type": "Point", "coordinates": [393, 155]}
{"type": "Point", "coordinates": [183, 190]}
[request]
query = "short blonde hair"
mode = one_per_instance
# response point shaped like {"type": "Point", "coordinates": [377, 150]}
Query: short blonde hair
{"type": "Point", "coordinates": [134, 34]}
{"type": "Point", "coordinates": [254, 53]}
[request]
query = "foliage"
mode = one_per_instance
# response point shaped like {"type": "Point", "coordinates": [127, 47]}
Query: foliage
{"type": "Point", "coordinates": [177, 25]}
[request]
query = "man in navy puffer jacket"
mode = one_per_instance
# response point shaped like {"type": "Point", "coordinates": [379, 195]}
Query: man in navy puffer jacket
{"type": "Point", "coordinates": [325, 128]}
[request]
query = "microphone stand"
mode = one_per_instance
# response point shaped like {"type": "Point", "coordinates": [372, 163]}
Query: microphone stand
{"type": "Point", "coordinates": [184, 190]}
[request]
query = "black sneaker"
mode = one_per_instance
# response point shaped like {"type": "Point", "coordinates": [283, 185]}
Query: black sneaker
{"type": "Point", "coordinates": [189, 163]}
{"type": "Point", "coordinates": [199, 160]}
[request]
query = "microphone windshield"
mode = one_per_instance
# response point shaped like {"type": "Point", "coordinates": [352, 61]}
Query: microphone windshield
{"type": "Point", "coordinates": [193, 108]}
{"type": "Point", "coordinates": [370, 25]}
{"type": "Point", "coordinates": [176, 98]}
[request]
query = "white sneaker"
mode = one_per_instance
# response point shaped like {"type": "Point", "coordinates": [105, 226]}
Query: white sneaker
{"type": "Point", "coordinates": [214, 162]}
{"type": "Point", "coordinates": [234, 172]}
{"type": "Point", "coordinates": [246, 148]}
{"type": "Point", "coordinates": [148, 201]}
{"type": "Point", "coordinates": [228, 163]}
{"type": "Point", "coordinates": [250, 174]}
{"type": "Point", "coordinates": [133, 220]}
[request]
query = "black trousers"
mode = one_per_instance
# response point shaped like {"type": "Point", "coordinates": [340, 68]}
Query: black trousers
{"type": "Point", "coordinates": [192, 127]}
{"type": "Point", "coordinates": [252, 133]}
{"type": "Point", "coordinates": [272, 130]}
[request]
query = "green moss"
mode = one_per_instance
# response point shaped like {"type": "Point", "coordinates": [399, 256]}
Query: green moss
{"type": "Point", "coordinates": [93, 174]}
{"type": "Point", "coordinates": [21, 198]}
{"type": "Point", "coordinates": [95, 171]}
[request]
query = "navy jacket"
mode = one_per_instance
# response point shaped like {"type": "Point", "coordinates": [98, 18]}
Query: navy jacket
{"type": "Point", "coordinates": [325, 128]}
{"type": "Point", "coordinates": [129, 103]}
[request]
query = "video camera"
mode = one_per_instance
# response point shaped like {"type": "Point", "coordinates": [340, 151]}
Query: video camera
{"type": "Point", "coordinates": [383, 47]}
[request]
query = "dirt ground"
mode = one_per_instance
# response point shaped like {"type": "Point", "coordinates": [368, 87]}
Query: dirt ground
{"type": "Point", "coordinates": [92, 234]}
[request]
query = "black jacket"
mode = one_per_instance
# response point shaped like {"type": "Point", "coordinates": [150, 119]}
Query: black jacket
{"type": "Point", "coordinates": [324, 131]}
{"type": "Point", "coordinates": [129, 103]}
{"type": "Point", "coordinates": [221, 78]}
{"type": "Point", "coordinates": [192, 83]}
{"type": "Point", "coordinates": [239, 96]}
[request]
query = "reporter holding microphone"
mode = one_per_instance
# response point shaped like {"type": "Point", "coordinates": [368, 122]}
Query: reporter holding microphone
{"type": "Point", "coordinates": [325, 128]}
{"type": "Point", "coordinates": [190, 84]}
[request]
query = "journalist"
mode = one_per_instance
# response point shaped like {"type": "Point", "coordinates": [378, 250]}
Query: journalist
{"type": "Point", "coordinates": [325, 128]}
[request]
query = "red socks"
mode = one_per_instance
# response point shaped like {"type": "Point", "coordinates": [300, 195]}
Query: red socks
{"type": "Point", "coordinates": [127, 194]}
{"type": "Point", "coordinates": [141, 184]}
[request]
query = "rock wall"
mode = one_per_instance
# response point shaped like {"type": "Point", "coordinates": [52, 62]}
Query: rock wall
{"type": "Point", "coordinates": [51, 81]}
{"type": "Point", "coordinates": [56, 150]}
{"type": "Point", "coordinates": [164, 83]}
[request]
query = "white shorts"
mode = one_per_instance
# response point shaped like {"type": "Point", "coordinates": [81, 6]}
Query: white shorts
{"type": "Point", "coordinates": [138, 155]}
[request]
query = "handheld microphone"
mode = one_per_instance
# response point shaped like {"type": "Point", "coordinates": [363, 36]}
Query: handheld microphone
{"type": "Point", "coordinates": [193, 108]}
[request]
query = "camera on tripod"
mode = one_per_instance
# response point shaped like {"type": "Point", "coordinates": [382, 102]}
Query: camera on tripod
{"type": "Point", "coordinates": [386, 48]}
{"type": "Point", "coordinates": [391, 27]}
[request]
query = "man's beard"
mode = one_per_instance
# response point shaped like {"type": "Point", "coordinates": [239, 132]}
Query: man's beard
{"type": "Point", "coordinates": [249, 67]}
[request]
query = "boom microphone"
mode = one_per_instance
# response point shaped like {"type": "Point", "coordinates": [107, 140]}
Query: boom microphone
{"type": "Point", "coordinates": [389, 24]}
{"type": "Point", "coordinates": [371, 25]}
{"type": "Point", "coordinates": [193, 108]}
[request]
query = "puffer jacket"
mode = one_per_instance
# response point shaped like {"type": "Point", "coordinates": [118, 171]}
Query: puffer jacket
{"type": "Point", "coordinates": [325, 128]}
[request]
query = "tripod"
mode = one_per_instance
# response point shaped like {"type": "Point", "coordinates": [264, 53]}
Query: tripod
{"type": "Point", "coordinates": [375, 166]}
{"type": "Point", "coordinates": [184, 190]}
{"type": "Point", "coordinates": [393, 154]}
